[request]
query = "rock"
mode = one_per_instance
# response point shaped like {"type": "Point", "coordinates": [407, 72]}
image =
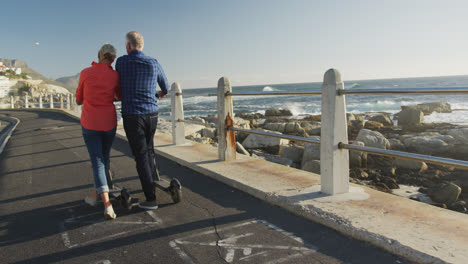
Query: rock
{"type": "Point", "coordinates": [192, 129]}
{"type": "Point", "coordinates": [240, 149]}
{"type": "Point", "coordinates": [396, 144]}
{"type": "Point", "coordinates": [278, 112]}
{"type": "Point", "coordinates": [391, 183]}
{"type": "Point", "coordinates": [249, 116]}
{"type": "Point", "coordinates": [357, 159]}
{"type": "Point", "coordinates": [428, 108]}
{"type": "Point", "coordinates": [373, 139]}
{"type": "Point", "coordinates": [273, 158]}
{"type": "Point", "coordinates": [350, 116]}
{"type": "Point", "coordinates": [373, 125]}
{"type": "Point", "coordinates": [354, 126]}
{"type": "Point", "coordinates": [446, 193]}
{"type": "Point", "coordinates": [270, 144]}
{"type": "Point", "coordinates": [425, 145]}
{"type": "Point", "coordinates": [460, 135]}
{"type": "Point", "coordinates": [197, 118]}
{"type": "Point", "coordinates": [358, 174]}
{"type": "Point", "coordinates": [314, 118]}
{"type": "Point", "coordinates": [383, 119]}
{"type": "Point", "coordinates": [280, 127]}
{"type": "Point", "coordinates": [293, 153]}
{"type": "Point", "coordinates": [212, 119]}
{"type": "Point", "coordinates": [382, 187]}
{"type": "Point", "coordinates": [311, 151]}
{"type": "Point", "coordinates": [241, 123]}
{"type": "Point", "coordinates": [312, 166]}
{"type": "Point", "coordinates": [410, 164]}
{"type": "Point", "coordinates": [459, 206]}
{"type": "Point", "coordinates": [389, 171]}
{"type": "Point", "coordinates": [312, 128]}
{"type": "Point", "coordinates": [209, 132]}
{"type": "Point", "coordinates": [410, 117]}
{"type": "Point", "coordinates": [295, 129]}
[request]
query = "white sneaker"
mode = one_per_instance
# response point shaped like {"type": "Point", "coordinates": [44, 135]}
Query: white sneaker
{"type": "Point", "coordinates": [109, 213]}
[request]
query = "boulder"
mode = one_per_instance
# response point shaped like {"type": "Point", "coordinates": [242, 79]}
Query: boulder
{"type": "Point", "coordinates": [311, 151]}
{"type": "Point", "coordinates": [428, 108]}
{"type": "Point", "coordinates": [241, 123]}
{"type": "Point", "coordinates": [410, 164]}
{"type": "Point", "coordinates": [460, 135]}
{"type": "Point", "coordinates": [354, 126]}
{"type": "Point", "coordinates": [373, 125]}
{"type": "Point", "coordinates": [312, 128]}
{"type": "Point", "coordinates": [275, 127]}
{"type": "Point", "coordinates": [278, 112]}
{"type": "Point", "coordinates": [425, 145]}
{"type": "Point", "coordinates": [312, 166]}
{"type": "Point", "coordinates": [249, 116]}
{"type": "Point", "coordinates": [294, 129]}
{"type": "Point", "coordinates": [396, 144]}
{"type": "Point", "coordinates": [270, 144]}
{"type": "Point", "coordinates": [373, 139]}
{"type": "Point", "coordinates": [410, 116]}
{"type": "Point", "coordinates": [240, 149]}
{"type": "Point", "coordinates": [212, 119]}
{"type": "Point", "coordinates": [357, 159]}
{"type": "Point", "coordinates": [383, 119]}
{"type": "Point", "coordinates": [192, 129]}
{"type": "Point", "coordinates": [209, 132]}
{"type": "Point", "coordinates": [293, 153]}
{"type": "Point", "coordinates": [446, 193]}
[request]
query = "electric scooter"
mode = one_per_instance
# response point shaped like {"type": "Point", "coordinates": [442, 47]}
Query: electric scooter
{"type": "Point", "coordinates": [120, 194]}
{"type": "Point", "coordinates": [172, 187]}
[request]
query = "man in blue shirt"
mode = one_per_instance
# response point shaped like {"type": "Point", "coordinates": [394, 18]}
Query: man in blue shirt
{"type": "Point", "coordinates": [139, 76]}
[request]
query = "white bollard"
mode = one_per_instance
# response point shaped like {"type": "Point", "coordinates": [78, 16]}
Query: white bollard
{"type": "Point", "coordinates": [12, 102]}
{"type": "Point", "coordinates": [51, 101]}
{"type": "Point", "coordinates": [61, 101]}
{"type": "Point", "coordinates": [68, 101]}
{"type": "Point", "coordinates": [40, 101]}
{"type": "Point", "coordinates": [226, 138]}
{"type": "Point", "coordinates": [177, 113]}
{"type": "Point", "coordinates": [334, 162]}
{"type": "Point", "coordinates": [26, 101]}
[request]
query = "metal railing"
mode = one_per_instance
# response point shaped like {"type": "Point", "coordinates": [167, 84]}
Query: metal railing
{"type": "Point", "coordinates": [334, 145]}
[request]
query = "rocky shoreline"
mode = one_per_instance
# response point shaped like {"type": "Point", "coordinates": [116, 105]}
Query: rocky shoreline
{"type": "Point", "coordinates": [405, 131]}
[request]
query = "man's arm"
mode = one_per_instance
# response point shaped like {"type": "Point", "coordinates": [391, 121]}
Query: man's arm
{"type": "Point", "coordinates": [162, 81]}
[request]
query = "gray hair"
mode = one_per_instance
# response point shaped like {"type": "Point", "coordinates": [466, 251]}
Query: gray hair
{"type": "Point", "coordinates": [108, 51]}
{"type": "Point", "coordinates": [135, 39]}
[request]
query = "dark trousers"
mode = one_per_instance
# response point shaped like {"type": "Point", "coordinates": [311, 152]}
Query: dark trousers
{"type": "Point", "coordinates": [140, 131]}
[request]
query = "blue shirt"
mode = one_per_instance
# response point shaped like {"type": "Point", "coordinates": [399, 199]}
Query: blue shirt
{"type": "Point", "coordinates": [139, 76]}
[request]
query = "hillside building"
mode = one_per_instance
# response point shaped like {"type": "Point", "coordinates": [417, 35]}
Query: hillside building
{"type": "Point", "coordinates": [4, 86]}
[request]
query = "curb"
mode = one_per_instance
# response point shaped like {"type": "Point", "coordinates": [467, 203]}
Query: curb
{"type": "Point", "coordinates": [6, 132]}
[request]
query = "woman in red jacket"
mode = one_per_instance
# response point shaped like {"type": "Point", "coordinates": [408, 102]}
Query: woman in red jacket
{"type": "Point", "coordinates": [97, 89]}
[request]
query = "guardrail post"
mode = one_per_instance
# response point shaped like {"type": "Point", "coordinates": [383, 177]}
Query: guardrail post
{"type": "Point", "coordinates": [51, 101]}
{"type": "Point", "coordinates": [334, 162]}
{"type": "Point", "coordinates": [68, 101]}
{"type": "Point", "coordinates": [26, 101]}
{"type": "Point", "coordinates": [12, 102]}
{"type": "Point", "coordinates": [226, 137]}
{"type": "Point", "coordinates": [177, 113]}
{"type": "Point", "coordinates": [40, 101]}
{"type": "Point", "coordinates": [61, 101]}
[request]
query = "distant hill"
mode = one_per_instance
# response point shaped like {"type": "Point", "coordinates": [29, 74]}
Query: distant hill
{"type": "Point", "coordinates": [34, 75]}
{"type": "Point", "coordinates": [70, 81]}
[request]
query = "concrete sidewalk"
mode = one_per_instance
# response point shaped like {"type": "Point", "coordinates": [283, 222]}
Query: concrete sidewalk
{"type": "Point", "coordinates": [414, 230]}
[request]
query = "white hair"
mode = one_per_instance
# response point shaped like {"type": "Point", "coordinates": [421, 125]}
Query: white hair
{"type": "Point", "coordinates": [108, 51]}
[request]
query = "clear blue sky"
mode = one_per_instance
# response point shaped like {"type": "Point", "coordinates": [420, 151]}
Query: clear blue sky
{"type": "Point", "coordinates": [249, 41]}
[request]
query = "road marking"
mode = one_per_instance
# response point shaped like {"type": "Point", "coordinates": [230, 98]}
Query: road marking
{"type": "Point", "coordinates": [155, 217]}
{"type": "Point", "coordinates": [104, 261]}
{"type": "Point", "coordinates": [233, 245]}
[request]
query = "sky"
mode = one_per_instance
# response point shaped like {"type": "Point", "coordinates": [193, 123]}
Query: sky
{"type": "Point", "coordinates": [249, 41]}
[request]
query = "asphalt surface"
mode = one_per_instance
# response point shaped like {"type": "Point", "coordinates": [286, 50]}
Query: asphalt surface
{"type": "Point", "coordinates": [45, 173]}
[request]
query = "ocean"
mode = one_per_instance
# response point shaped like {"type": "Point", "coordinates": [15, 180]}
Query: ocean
{"type": "Point", "coordinates": [300, 105]}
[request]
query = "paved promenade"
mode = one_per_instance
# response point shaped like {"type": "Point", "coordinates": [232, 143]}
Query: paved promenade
{"type": "Point", "coordinates": [45, 173]}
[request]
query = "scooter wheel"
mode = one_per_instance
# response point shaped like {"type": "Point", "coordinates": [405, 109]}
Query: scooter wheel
{"type": "Point", "coordinates": [176, 191]}
{"type": "Point", "coordinates": [125, 198]}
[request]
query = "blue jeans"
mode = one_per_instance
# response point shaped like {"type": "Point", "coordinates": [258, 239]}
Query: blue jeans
{"type": "Point", "coordinates": [99, 144]}
{"type": "Point", "coordinates": [140, 131]}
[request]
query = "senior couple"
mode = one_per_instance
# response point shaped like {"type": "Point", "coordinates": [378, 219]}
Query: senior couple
{"type": "Point", "coordinates": [134, 82]}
